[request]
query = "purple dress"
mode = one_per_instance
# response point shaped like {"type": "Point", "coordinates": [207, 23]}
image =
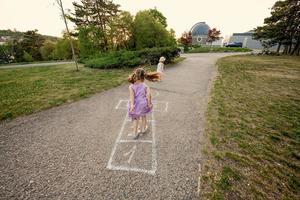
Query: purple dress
{"type": "Point", "coordinates": [140, 101]}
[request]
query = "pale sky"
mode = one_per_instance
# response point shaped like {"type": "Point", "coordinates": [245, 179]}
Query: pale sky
{"type": "Point", "coordinates": [229, 16]}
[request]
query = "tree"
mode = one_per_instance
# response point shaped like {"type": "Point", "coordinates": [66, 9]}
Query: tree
{"type": "Point", "coordinates": [27, 57]}
{"type": "Point", "coordinates": [186, 39]}
{"type": "Point", "coordinates": [47, 50]}
{"type": "Point", "coordinates": [158, 16]}
{"type": "Point", "coordinates": [89, 43]}
{"type": "Point", "coordinates": [148, 32]}
{"type": "Point", "coordinates": [213, 35]}
{"type": "Point", "coordinates": [63, 49]}
{"type": "Point", "coordinates": [282, 27]}
{"type": "Point", "coordinates": [17, 50]}
{"type": "Point", "coordinates": [95, 14]}
{"type": "Point", "coordinates": [120, 31]}
{"type": "Point", "coordinates": [31, 43]}
{"type": "Point", "coordinates": [59, 3]}
{"type": "Point", "coordinates": [172, 37]}
{"type": "Point", "coordinates": [6, 53]}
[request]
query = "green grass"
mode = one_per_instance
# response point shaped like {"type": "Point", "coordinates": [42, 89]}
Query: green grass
{"type": "Point", "coordinates": [35, 62]}
{"type": "Point", "coordinates": [27, 90]}
{"type": "Point", "coordinates": [24, 91]}
{"type": "Point", "coordinates": [253, 130]}
{"type": "Point", "coordinates": [218, 49]}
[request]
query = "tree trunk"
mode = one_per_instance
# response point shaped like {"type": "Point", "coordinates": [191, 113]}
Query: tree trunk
{"type": "Point", "coordinates": [278, 48]}
{"type": "Point", "coordinates": [102, 23]}
{"type": "Point", "coordinates": [68, 32]}
{"type": "Point", "coordinates": [290, 48]}
{"type": "Point", "coordinates": [284, 50]}
{"type": "Point", "coordinates": [297, 47]}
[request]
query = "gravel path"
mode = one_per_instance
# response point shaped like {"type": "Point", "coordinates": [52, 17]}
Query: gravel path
{"type": "Point", "coordinates": [82, 150]}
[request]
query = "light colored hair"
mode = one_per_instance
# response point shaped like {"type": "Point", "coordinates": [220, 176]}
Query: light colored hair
{"type": "Point", "coordinates": [141, 74]}
{"type": "Point", "coordinates": [162, 59]}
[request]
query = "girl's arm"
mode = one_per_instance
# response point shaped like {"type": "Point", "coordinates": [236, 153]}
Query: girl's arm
{"type": "Point", "coordinates": [131, 98]}
{"type": "Point", "coordinates": [149, 97]}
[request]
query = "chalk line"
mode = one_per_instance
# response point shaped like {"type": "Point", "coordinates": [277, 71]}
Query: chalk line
{"type": "Point", "coordinates": [116, 143]}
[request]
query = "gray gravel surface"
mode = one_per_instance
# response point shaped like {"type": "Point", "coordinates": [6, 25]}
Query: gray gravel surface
{"type": "Point", "coordinates": [63, 152]}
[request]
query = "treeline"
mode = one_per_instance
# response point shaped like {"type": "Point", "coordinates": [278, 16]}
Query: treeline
{"type": "Point", "coordinates": [101, 27]}
{"type": "Point", "coordinates": [31, 46]}
{"type": "Point", "coordinates": [282, 28]}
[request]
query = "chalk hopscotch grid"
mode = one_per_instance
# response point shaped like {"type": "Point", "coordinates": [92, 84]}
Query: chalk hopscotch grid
{"type": "Point", "coordinates": [121, 105]}
{"type": "Point", "coordinates": [135, 169]}
{"type": "Point", "coordinates": [118, 141]}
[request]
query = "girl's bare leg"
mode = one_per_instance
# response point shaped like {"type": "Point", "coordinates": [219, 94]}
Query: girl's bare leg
{"type": "Point", "coordinates": [135, 127]}
{"type": "Point", "coordinates": [144, 122]}
{"type": "Point", "coordinates": [139, 128]}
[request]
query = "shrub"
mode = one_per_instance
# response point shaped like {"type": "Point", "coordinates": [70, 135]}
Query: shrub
{"type": "Point", "coordinates": [120, 59]}
{"type": "Point", "coordinates": [114, 60]}
{"type": "Point", "coordinates": [6, 53]}
{"type": "Point", "coordinates": [47, 50]}
{"type": "Point", "coordinates": [152, 55]}
{"type": "Point", "coordinates": [27, 57]}
{"type": "Point", "coordinates": [217, 49]}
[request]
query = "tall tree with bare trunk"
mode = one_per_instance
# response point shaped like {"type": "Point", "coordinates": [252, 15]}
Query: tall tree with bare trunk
{"type": "Point", "coordinates": [59, 3]}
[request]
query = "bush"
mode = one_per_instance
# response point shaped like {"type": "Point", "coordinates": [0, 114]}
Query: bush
{"type": "Point", "coordinates": [6, 53]}
{"type": "Point", "coordinates": [114, 60]}
{"type": "Point", "coordinates": [217, 49]}
{"type": "Point", "coordinates": [47, 50]}
{"type": "Point", "coordinates": [27, 57]}
{"type": "Point", "coordinates": [120, 59]}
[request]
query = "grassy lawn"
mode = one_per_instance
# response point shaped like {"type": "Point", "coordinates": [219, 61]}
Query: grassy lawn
{"type": "Point", "coordinates": [217, 49]}
{"type": "Point", "coordinates": [27, 90]}
{"type": "Point", "coordinates": [35, 62]}
{"type": "Point", "coordinates": [253, 130]}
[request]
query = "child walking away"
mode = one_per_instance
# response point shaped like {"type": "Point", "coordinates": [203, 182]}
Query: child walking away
{"type": "Point", "coordinates": [140, 103]}
{"type": "Point", "coordinates": [160, 65]}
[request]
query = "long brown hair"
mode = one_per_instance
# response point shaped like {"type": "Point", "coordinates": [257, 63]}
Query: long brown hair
{"type": "Point", "coordinates": [141, 74]}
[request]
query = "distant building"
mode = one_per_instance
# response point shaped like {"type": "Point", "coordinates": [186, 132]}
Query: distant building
{"type": "Point", "coordinates": [199, 33]}
{"type": "Point", "coordinates": [218, 42]}
{"type": "Point", "coordinates": [4, 39]}
{"type": "Point", "coordinates": [247, 40]}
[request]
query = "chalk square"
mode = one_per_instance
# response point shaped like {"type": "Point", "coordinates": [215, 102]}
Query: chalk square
{"type": "Point", "coordinates": [133, 155]}
{"type": "Point", "coordinates": [161, 106]}
{"type": "Point", "coordinates": [122, 104]}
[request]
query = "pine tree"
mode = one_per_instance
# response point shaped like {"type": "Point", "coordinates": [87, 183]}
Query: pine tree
{"type": "Point", "coordinates": [283, 27]}
{"type": "Point", "coordinates": [97, 14]}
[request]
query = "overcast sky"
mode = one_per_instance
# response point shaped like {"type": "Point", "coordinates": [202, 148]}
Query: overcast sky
{"type": "Point", "coordinates": [229, 16]}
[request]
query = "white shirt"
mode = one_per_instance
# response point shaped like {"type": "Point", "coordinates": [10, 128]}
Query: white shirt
{"type": "Point", "coordinates": [160, 67]}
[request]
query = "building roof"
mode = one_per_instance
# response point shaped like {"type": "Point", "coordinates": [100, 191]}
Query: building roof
{"type": "Point", "coordinates": [249, 33]}
{"type": "Point", "coordinates": [201, 28]}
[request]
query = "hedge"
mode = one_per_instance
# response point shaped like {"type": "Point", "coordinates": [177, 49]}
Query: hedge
{"type": "Point", "coordinates": [217, 49]}
{"type": "Point", "coordinates": [120, 59]}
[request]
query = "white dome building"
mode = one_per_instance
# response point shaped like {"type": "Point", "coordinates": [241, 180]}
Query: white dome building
{"type": "Point", "coordinates": [200, 33]}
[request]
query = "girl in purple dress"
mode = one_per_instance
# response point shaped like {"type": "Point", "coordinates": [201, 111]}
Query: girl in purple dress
{"type": "Point", "coordinates": [140, 103]}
